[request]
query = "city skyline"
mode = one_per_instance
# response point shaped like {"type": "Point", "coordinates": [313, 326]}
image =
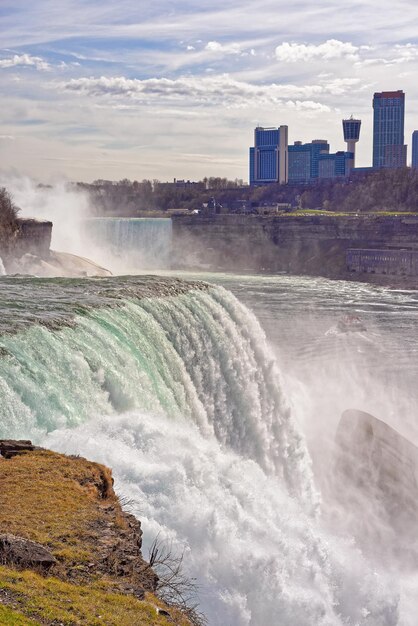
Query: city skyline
{"type": "Point", "coordinates": [273, 159]}
{"type": "Point", "coordinates": [98, 90]}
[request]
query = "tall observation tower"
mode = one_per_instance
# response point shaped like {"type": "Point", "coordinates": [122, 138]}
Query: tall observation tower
{"type": "Point", "coordinates": [351, 130]}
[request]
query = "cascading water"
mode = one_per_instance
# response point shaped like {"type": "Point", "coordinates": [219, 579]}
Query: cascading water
{"type": "Point", "coordinates": [131, 242]}
{"type": "Point", "coordinates": [181, 396]}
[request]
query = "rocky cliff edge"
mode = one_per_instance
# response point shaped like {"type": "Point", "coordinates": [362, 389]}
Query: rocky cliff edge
{"type": "Point", "coordinates": [69, 554]}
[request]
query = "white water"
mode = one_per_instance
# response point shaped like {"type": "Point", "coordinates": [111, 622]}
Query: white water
{"type": "Point", "coordinates": [128, 243]}
{"type": "Point", "coordinates": [182, 397]}
{"type": "Point", "coordinates": [258, 557]}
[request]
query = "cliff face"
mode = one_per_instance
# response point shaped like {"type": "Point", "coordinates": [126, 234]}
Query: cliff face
{"type": "Point", "coordinates": [33, 237]}
{"type": "Point", "coordinates": [68, 552]}
{"type": "Point", "coordinates": [29, 253]}
{"type": "Point", "coordinates": [309, 244]}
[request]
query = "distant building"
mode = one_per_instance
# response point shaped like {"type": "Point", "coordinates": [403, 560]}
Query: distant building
{"type": "Point", "coordinates": [268, 157]}
{"type": "Point", "coordinates": [335, 165]}
{"type": "Point", "coordinates": [310, 161]}
{"type": "Point", "coordinates": [183, 184]}
{"type": "Point", "coordinates": [388, 129]}
{"type": "Point", "coordinates": [351, 129]}
{"type": "Point", "coordinates": [299, 157]}
{"type": "Point", "coordinates": [304, 160]}
{"type": "Point", "coordinates": [415, 148]}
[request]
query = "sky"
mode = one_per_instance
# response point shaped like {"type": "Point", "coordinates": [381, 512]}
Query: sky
{"type": "Point", "coordinates": [161, 89]}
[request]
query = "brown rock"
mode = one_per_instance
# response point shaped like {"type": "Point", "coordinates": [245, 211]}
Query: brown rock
{"type": "Point", "coordinates": [24, 552]}
{"type": "Point", "coordinates": [10, 447]}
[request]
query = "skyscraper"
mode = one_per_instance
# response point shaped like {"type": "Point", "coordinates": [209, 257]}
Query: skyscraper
{"type": "Point", "coordinates": [351, 129]}
{"type": "Point", "coordinates": [268, 157]}
{"type": "Point", "coordinates": [415, 148]}
{"type": "Point", "coordinates": [388, 129]}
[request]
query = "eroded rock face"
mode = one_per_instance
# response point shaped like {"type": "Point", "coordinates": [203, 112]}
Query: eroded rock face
{"type": "Point", "coordinates": [19, 551]}
{"type": "Point", "coordinates": [109, 535]}
{"type": "Point", "coordinates": [375, 480]}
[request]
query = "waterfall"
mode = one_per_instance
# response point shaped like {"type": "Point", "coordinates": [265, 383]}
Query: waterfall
{"type": "Point", "coordinates": [182, 397]}
{"type": "Point", "coordinates": [200, 356]}
{"type": "Point", "coordinates": [142, 243]}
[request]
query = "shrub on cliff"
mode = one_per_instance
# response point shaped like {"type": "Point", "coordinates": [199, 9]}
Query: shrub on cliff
{"type": "Point", "coordinates": [8, 216]}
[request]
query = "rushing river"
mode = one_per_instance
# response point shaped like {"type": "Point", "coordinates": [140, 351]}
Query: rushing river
{"type": "Point", "coordinates": [221, 438]}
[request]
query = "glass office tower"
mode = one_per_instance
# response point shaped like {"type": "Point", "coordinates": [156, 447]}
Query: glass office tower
{"type": "Point", "coordinates": [268, 157]}
{"type": "Point", "coordinates": [304, 160]}
{"type": "Point", "coordinates": [388, 129]}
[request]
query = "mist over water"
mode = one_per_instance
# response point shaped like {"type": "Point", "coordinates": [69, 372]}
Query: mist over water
{"type": "Point", "coordinates": [122, 245]}
{"type": "Point", "coordinates": [60, 203]}
{"type": "Point", "coordinates": [128, 244]}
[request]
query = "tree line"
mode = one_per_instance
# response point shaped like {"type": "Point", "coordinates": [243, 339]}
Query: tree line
{"type": "Point", "coordinates": [382, 190]}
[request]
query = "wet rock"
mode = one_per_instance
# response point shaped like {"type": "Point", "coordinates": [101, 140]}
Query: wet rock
{"type": "Point", "coordinates": [375, 479]}
{"type": "Point", "coordinates": [23, 552]}
{"type": "Point", "coordinates": [376, 457]}
{"type": "Point", "coordinates": [10, 447]}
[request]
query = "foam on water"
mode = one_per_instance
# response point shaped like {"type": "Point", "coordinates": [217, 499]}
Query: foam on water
{"type": "Point", "coordinates": [182, 397]}
{"type": "Point", "coordinates": [258, 557]}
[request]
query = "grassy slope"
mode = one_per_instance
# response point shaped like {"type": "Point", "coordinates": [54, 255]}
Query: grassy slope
{"type": "Point", "coordinates": [9, 617]}
{"type": "Point", "coordinates": [63, 503]}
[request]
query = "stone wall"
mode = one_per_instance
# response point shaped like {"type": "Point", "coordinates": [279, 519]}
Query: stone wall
{"type": "Point", "coordinates": [309, 244]}
{"type": "Point", "coordinates": [388, 261]}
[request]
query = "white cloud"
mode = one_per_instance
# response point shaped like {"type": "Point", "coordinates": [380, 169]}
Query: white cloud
{"type": "Point", "coordinates": [228, 48]}
{"type": "Point", "coordinates": [220, 90]}
{"type": "Point", "coordinates": [395, 55]}
{"type": "Point", "coordinates": [25, 60]}
{"type": "Point", "coordinates": [329, 50]}
{"type": "Point", "coordinates": [307, 105]}
{"type": "Point", "coordinates": [406, 52]}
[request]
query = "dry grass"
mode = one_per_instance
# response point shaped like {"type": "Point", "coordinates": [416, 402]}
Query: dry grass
{"type": "Point", "coordinates": [54, 500]}
{"type": "Point", "coordinates": [51, 600]}
{"type": "Point", "coordinates": [9, 617]}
